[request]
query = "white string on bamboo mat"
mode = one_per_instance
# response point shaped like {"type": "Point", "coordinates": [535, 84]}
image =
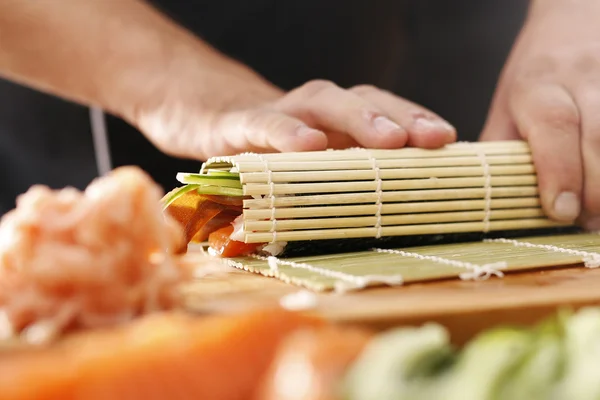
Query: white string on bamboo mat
{"type": "Point", "coordinates": [378, 191]}
{"type": "Point", "coordinates": [476, 271]}
{"type": "Point", "coordinates": [346, 281]}
{"type": "Point", "coordinates": [271, 196]}
{"type": "Point", "coordinates": [590, 259]}
{"type": "Point", "coordinates": [487, 176]}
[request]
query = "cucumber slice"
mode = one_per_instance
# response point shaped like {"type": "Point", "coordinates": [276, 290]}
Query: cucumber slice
{"type": "Point", "coordinates": [210, 180]}
{"type": "Point", "coordinates": [220, 191]}
{"type": "Point", "coordinates": [484, 364]}
{"type": "Point", "coordinates": [225, 174]}
{"type": "Point", "coordinates": [581, 380]}
{"type": "Point", "coordinates": [534, 379]}
{"type": "Point", "coordinates": [214, 182]}
{"type": "Point", "coordinates": [400, 364]}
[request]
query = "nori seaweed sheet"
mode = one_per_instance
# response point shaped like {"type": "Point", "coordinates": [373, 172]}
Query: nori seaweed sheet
{"type": "Point", "coordinates": [309, 248]}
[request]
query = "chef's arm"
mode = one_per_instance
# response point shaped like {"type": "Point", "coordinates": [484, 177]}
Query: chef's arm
{"type": "Point", "coordinates": [99, 52]}
{"type": "Point", "coordinates": [188, 99]}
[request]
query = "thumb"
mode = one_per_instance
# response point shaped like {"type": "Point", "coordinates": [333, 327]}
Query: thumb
{"type": "Point", "coordinates": [549, 118]}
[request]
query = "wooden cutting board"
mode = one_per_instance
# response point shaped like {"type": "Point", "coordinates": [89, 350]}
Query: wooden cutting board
{"type": "Point", "coordinates": [464, 307]}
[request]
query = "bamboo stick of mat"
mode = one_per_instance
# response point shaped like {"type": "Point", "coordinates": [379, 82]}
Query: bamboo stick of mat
{"type": "Point", "coordinates": [336, 194]}
{"type": "Point", "coordinates": [451, 150]}
{"type": "Point", "coordinates": [396, 266]}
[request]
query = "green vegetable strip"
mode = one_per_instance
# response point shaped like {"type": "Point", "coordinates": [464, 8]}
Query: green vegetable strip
{"type": "Point", "coordinates": [220, 191]}
{"type": "Point", "coordinates": [224, 174]}
{"type": "Point", "coordinates": [210, 180]}
{"type": "Point", "coordinates": [558, 359]}
{"type": "Point", "coordinates": [217, 183]}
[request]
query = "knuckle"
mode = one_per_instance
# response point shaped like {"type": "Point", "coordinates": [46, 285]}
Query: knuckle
{"type": "Point", "coordinates": [365, 88]}
{"type": "Point", "coordinates": [588, 64]}
{"type": "Point", "coordinates": [316, 87]}
{"type": "Point", "coordinates": [250, 119]}
{"type": "Point", "coordinates": [563, 118]}
{"type": "Point", "coordinates": [251, 123]}
{"type": "Point", "coordinates": [561, 115]}
{"type": "Point", "coordinates": [540, 68]}
{"type": "Point", "coordinates": [263, 122]}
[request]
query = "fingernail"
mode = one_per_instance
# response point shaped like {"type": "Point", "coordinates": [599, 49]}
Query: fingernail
{"type": "Point", "coordinates": [426, 125]}
{"type": "Point", "coordinates": [304, 130]}
{"type": "Point", "coordinates": [593, 224]}
{"type": "Point", "coordinates": [386, 126]}
{"type": "Point", "coordinates": [567, 206]}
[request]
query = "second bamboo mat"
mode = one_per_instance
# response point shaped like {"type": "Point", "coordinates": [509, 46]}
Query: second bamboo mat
{"type": "Point", "coordinates": [396, 266]}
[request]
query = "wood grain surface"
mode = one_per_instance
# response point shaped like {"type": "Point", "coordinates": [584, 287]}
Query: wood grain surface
{"type": "Point", "coordinates": [464, 307]}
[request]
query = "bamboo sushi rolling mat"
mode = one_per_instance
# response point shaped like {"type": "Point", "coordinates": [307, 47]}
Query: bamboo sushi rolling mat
{"type": "Point", "coordinates": [464, 306]}
{"type": "Point", "coordinates": [363, 193]}
{"type": "Point", "coordinates": [466, 187]}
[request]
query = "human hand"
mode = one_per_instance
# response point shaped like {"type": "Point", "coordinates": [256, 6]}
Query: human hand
{"type": "Point", "coordinates": [549, 94]}
{"type": "Point", "coordinates": [232, 110]}
{"type": "Point", "coordinates": [186, 97]}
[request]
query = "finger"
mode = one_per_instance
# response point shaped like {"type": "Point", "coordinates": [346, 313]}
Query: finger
{"type": "Point", "coordinates": [338, 140]}
{"type": "Point", "coordinates": [333, 109]}
{"type": "Point", "coordinates": [266, 129]}
{"type": "Point", "coordinates": [589, 102]}
{"type": "Point", "coordinates": [549, 119]}
{"type": "Point", "coordinates": [425, 129]}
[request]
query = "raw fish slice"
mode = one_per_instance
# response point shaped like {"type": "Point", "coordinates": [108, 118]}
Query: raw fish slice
{"type": "Point", "coordinates": [162, 356]}
{"type": "Point", "coordinates": [311, 364]}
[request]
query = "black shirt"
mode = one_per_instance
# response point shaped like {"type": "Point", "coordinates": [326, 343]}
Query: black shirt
{"type": "Point", "coordinates": [445, 55]}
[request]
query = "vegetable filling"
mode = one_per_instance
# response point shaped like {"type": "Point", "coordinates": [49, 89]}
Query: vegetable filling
{"type": "Point", "coordinates": [210, 207]}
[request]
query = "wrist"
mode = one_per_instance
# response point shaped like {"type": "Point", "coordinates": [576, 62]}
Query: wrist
{"type": "Point", "coordinates": [162, 61]}
{"type": "Point", "coordinates": [192, 76]}
{"type": "Point", "coordinates": [118, 55]}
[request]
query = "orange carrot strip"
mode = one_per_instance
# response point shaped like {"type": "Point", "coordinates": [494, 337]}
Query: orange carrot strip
{"type": "Point", "coordinates": [220, 241]}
